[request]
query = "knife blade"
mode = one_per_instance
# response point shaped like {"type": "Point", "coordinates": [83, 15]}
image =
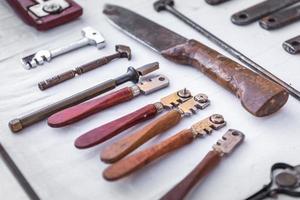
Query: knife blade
{"type": "Point", "coordinates": [258, 95]}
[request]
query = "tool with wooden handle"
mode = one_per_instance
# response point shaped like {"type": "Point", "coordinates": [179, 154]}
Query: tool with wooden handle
{"type": "Point", "coordinates": [140, 159]}
{"type": "Point", "coordinates": [129, 143]}
{"type": "Point", "coordinates": [169, 6]}
{"type": "Point", "coordinates": [81, 111]}
{"type": "Point", "coordinates": [226, 145]}
{"type": "Point", "coordinates": [122, 52]}
{"type": "Point", "coordinates": [132, 75]}
{"type": "Point", "coordinates": [281, 18]}
{"type": "Point", "coordinates": [113, 128]}
{"type": "Point", "coordinates": [260, 10]}
{"type": "Point", "coordinates": [258, 95]}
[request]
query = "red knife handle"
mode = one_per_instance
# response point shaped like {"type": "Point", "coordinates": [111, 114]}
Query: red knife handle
{"type": "Point", "coordinates": [211, 160]}
{"type": "Point", "coordinates": [76, 113]}
{"type": "Point", "coordinates": [138, 160]}
{"type": "Point", "coordinates": [111, 129]}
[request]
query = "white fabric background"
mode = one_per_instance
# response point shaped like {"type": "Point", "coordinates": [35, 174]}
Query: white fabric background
{"type": "Point", "coordinates": [57, 170]}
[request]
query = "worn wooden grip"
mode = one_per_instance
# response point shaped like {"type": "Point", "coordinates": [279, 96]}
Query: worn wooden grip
{"type": "Point", "coordinates": [136, 161]}
{"type": "Point", "coordinates": [128, 144]}
{"type": "Point", "coordinates": [258, 95]}
{"type": "Point", "coordinates": [111, 129]}
{"type": "Point", "coordinates": [178, 192]}
{"type": "Point", "coordinates": [76, 113]}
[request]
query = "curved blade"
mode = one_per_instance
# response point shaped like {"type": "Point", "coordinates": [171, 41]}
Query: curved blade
{"type": "Point", "coordinates": [144, 30]}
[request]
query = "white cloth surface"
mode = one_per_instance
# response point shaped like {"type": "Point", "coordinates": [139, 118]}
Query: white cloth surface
{"type": "Point", "coordinates": [57, 170]}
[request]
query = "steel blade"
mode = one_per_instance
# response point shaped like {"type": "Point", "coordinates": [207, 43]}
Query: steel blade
{"type": "Point", "coordinates": [144, 30]}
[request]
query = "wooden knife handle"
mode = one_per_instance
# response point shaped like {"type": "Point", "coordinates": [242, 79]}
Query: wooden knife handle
{"type": "Point", "coordinates": [198, 174]}
{"type": "Point", "coordinates": [136, 161]}
{"type": "Point", "coordinates": [76, 113]}
{"type": "Point", "coordinates": [111, 129]}
{"type": "Point", "coordinates": [258, 95]}
{"type": "Point", "coordinates": [128, 144]}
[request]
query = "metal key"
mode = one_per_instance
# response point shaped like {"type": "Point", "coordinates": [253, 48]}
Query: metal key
{"type": "Point", "coordinates": [90, 37]}
{"type": "Point", "coordinates": [285, 179]}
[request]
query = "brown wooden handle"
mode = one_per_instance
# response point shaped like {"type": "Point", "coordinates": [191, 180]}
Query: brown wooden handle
{"type": "Point", "coordinates": [128, 144]}
{"type": "Point", "coordinates": [76, 113]}
{"type": "Point", "coordinates": [111, 129]}
{"type": "Point", "coordinates": [178, 192]}
{"type": "Point", "coordinates": [136, 161]}
{"type": "Point", "coordinates": [258, 95]}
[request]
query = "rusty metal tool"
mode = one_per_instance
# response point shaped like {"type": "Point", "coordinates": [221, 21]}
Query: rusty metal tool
{"type": "Point", "coordinates": [215, 2]}
{"type": "Point", "coordinates": [142, 158]}
{"type": "Point", "coordinates": [132, 75]}
{"type": "Point", "coordinates": [115, 127]}
{"type": "Point", "coordinates": [122, 52]}
{"type": "Point", "coordinates": [285, 180]}
{"type": "Point", "coordinates": [260, 10]}
{"type": "Point", "coordinates": [258, 95]}
{"type": "Point", "coordinates": [224, 146]}
{"type": "Point", "coordinates": [168, 5]}
{"type": "Point", "coordinates": [292, 46]}
{"type": "Point", "coordinates": [129, 143]}
{"type": "Point", "coordinates": [90, 36]}
{"type": "Point", "coordinates": [281, 18]}
{"type": "Point", "coordinates": [18, 174]}
{"type": "Point", "coordinates": [81, 111]}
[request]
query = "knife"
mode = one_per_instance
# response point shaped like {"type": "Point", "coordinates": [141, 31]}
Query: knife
{"type": "Point", "coordinates": [258, 95]}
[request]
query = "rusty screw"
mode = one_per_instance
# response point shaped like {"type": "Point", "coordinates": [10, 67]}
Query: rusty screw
{"type": "Point", "coordinates": [122, 52]}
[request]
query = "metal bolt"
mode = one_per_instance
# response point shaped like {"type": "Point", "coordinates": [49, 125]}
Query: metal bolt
{"type": "Point", "coordinates": [52, 8]}
{"type": "Point", "coordinates": [201, 98]}
{"type": "Point", "coordinates": [185, 93]}
{"type": "Point", "coordinates": [216, 118]}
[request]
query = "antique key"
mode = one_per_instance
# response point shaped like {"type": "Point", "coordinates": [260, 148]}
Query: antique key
{"type": "Point", "coordinates": [224, 146]}
{"type": "Point", "coordinates": [76, 113]}
{"type": "Point", "coordinates": [90, 36]}
{"type": "Point", "coordinates": [113, 128]}
{"type": "Point", "coordinates": [46, 14]}
{"type": "Point", "coordinates": [140, 159]}
{"type": "Point", "coordinates": [129, 143]}
{"type": "Point", "coordinates": [285, 179]}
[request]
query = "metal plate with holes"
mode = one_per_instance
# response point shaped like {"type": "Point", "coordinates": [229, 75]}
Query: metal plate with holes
{"type": "Point", "coordinates": [231, 139]}
{"type": "Point", "coordinates": [176, 98]}
{"type": "Point", "coordinates": [153, 83]}
{"type": "Point", "coordinates": [260, 10]}
{"type": "Point", "coordinates": [281, 18]}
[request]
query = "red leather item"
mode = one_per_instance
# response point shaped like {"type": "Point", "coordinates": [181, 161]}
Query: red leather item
{"type": "Point", "coordinates": [211, 160]}
{"type": "Point", "coordinates": [47, 22]}
{"type": "Point", "coordinates": [111, 129]}
{"type": "Point", "coordinates": [83, 110]}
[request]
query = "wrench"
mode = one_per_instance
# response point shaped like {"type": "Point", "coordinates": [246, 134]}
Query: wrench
{"type": "Point", "coordinates": [90, 37]}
